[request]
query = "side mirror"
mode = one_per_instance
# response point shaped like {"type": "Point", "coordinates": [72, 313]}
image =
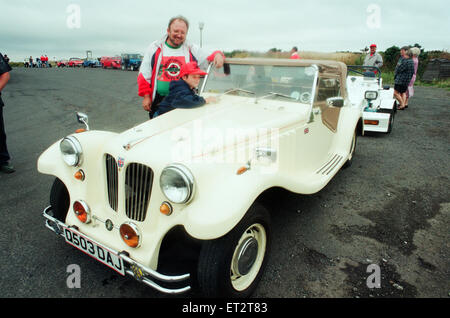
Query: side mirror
{"type": "Point", "coordinates": [335, 101]}
{"type": "Point", "coordinates": [83, 119]}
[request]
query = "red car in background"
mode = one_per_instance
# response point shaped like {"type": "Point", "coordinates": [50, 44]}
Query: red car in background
{"type": "Point", "coordinates": [75, 61]}
{"type": "Point", "coordinates": [116, 62]}
{"type": "Point", "coordinates": [113, 62]}
{"type": "Point", "coordinates": [62, 63]}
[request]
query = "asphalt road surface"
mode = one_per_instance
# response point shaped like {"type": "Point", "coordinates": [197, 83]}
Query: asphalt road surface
{"type": "Point", "coordinates": [391, 208]}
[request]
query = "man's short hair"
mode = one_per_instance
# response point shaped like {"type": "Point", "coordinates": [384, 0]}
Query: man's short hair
{"type": "Point", "coordinates": [406, 48]}
{"type": "Point", "coordinates": [179, 17]}
{"type": "Point", "coordinates": [295, 48]}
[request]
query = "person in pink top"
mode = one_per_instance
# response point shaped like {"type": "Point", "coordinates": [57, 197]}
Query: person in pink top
{"type": "Point", "coordinates": [415, 57]}
{"type": "Point", "coordinates": [294, 54]}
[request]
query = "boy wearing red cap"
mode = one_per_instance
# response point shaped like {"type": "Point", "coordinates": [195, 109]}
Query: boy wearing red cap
{"type": "Point", "coordinates": [373, 58]}
{"type": "Point", "coordinates": [181, 92]}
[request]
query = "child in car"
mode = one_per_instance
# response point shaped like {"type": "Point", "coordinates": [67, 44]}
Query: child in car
{"type": "Point", "coordinates": [181, 92]}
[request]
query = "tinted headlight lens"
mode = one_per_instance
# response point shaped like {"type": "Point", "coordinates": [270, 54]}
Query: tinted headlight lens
{"type": "Point", "coordinates": [177, 183]}
{"type": "Point", "coordinates": [71, 151]}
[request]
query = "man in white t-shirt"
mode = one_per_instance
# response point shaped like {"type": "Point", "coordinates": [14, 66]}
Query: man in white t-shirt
{"type": "Point", "coordinates": [163, 60]}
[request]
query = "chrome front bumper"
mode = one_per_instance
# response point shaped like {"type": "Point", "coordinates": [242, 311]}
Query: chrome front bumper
{"type": "Point", "coordinates": [134, 269]}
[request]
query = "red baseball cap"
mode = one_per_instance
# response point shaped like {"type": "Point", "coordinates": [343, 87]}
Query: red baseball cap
{"type": "Point", "coordinates": [191, 68]}
{"type": "Point", "coordinates": [373, 45]}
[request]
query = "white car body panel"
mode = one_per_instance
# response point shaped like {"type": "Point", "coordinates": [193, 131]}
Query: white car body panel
{"type": "Point", "coordinates": [380, 109]}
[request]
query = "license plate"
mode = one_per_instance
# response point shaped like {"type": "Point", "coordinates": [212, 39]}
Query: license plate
{"type": "Point", "coordinates": [95, 250]}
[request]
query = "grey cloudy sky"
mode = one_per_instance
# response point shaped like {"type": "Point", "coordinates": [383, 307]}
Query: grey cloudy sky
{"type": "Point", "coordinates": [30, 27]}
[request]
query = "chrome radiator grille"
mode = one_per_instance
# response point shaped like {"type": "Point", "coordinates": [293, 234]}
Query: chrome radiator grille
{"type": "Point", "coordinates": [138, 186]}
{"type": "Point", "coordinates": [112, 181]}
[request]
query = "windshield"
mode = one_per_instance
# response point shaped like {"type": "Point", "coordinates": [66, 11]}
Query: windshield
{"type": "Point", "coordinates": [288, 83]}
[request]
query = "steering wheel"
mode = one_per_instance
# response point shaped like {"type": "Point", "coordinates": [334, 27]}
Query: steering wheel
{"type": "Point", "coordinates": [305, 97]}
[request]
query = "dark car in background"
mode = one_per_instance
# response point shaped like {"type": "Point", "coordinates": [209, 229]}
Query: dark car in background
{"type": "Point", "coordinates": [131, 61]}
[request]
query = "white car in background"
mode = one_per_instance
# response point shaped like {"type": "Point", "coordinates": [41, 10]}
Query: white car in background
{"type": "Point", "coordinates": [198, 177]}
{"type": "Point", "coordinates": [366, 90]}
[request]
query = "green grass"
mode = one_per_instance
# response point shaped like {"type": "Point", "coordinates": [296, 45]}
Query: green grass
{"type": "Point", "coordinates": [388, 78]}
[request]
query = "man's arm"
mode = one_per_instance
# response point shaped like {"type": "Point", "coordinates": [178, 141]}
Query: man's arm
{"type": "Point", "coordinates": [379, 62]}
{"type": "Point", "coordinates": [203, 57]}
{"type": "Point", "coordinates": [146, 72]}
{"type": "Point", "coordinates": [218, 60]}
{"type": "Point", "coordinates": [4, 72]}
{"type": "Point", "coordinates": [4, 78]}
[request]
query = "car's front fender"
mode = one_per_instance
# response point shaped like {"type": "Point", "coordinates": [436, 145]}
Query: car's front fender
{"type": "Point", "coordinates": [50, 161]}
{"type": "Point", "coordinates": [221, 202]}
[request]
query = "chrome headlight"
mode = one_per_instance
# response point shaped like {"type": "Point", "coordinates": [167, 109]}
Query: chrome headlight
{"type": "Point", "coordinates": [177, 183]}
{"type": "Point", "coordinates": [71, 151]}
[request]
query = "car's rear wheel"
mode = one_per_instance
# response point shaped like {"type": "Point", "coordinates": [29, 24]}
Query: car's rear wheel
{"type": "Point", "coordinates": [232, 265]}
{"type": "Point", "coordinates": [59, 200]}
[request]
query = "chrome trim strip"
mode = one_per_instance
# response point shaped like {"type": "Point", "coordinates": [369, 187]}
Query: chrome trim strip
{"type": "Point", "coordinates": [205, 79]}
{"type": "Point", "coordinates": [57, 227]}
{"type": "Point", "coordinates": [330, 165]}
{"type": "Point", "coordinates": [138, 187]}
{"type": "Point", "coordinates": [112, 181]}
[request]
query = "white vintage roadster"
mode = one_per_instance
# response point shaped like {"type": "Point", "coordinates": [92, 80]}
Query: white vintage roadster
{"type": "Point", "coordinates": [366, 89]}
{"type": "Point", "coordinates": [202, 174]}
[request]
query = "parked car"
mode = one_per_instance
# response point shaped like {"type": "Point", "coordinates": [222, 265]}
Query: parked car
{"type": "Point", "coordinates": [75, 62]}
{"type": "Point", "coordinates": [62, 63]}
{"type": "Point", "coordinates": [92, 63]}
{"type": "Point", "coordinates": [111, 62]}
{"type": "Point", "coordinates": [116, 62]}
{"type": "Point", "coordinates": [197, 179]}
{"type": "Point", "coordinates": [366, 89]}
{"type": "Point", "coordinates": [131, 62]}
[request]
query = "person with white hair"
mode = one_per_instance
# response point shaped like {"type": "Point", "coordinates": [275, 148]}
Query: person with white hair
{"type": "Point", "coordinates": [415, 51]}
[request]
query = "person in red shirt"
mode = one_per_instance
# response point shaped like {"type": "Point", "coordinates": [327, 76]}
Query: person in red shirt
{"type": "Point", "coordinates": [294, 54]}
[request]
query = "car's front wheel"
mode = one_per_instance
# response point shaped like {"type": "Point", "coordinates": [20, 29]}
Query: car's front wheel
{"type": "Point", "coordinates": [232, 266]}
{"type": "Point", "coordinates": [59, 200]}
